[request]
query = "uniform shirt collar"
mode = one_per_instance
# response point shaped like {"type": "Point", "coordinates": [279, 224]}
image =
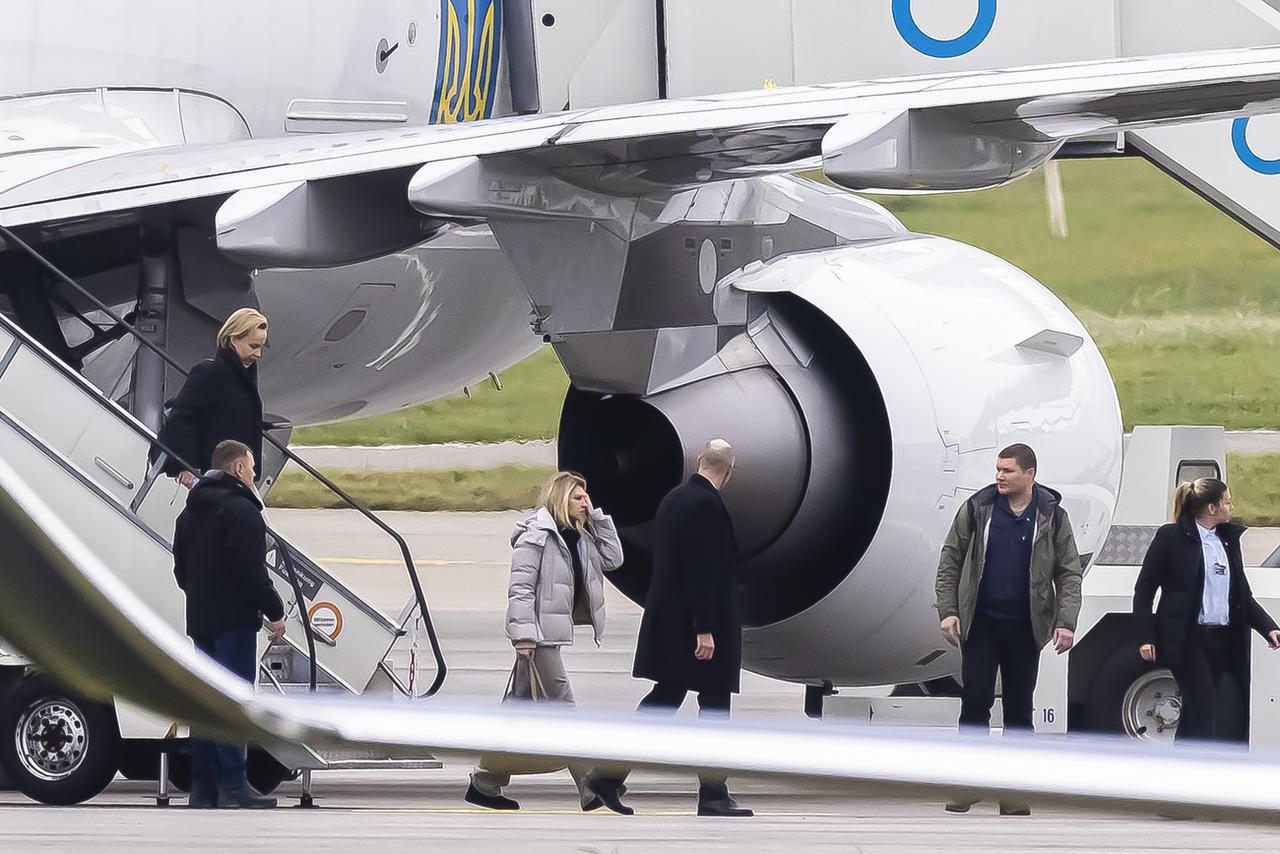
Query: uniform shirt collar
{"type": "Point", "coordinates": [1002, 503]}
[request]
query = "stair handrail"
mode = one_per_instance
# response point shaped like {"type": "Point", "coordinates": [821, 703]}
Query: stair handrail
{"type": "Point", "coordinates": [419, 596]}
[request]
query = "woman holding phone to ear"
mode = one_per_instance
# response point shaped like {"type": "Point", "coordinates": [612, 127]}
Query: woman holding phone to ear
{"type": "Point", "coordinates": [1200, 630]}
{"type": "Point", "coordinates": [558, 559]}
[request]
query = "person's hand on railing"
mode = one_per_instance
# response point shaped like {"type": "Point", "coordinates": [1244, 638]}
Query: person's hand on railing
{"type": "Point", "coordinates": [277, 628]}
{"type": "Point", "coordinates": [187, 479]}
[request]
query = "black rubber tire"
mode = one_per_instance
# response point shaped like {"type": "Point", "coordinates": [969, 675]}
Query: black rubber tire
{"type": "Point", "coordinates": [102, 739]}
{"type": "Point", "coordinates": [139, 759]}
{"type": "Point", "coordinates": [1103, 712]}
{"type": "Point", "coordinates": [265, 773]}
{"type": "Point", "coordinates": [179, 766]}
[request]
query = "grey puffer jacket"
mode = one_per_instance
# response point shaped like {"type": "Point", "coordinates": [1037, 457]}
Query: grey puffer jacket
{"type": "Point", "coordinates": [540, 593]}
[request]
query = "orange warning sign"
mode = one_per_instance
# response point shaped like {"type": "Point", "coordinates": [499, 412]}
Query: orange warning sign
{"type": "Point", "coordinates": [326, 617]}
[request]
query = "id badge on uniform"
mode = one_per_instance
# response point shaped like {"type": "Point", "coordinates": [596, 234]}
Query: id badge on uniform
{"type": "Point", "coordinates": [1219, 568]}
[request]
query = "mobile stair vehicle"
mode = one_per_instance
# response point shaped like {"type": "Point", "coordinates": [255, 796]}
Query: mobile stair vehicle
{"type": "Point", "coordinates": [89, 456]}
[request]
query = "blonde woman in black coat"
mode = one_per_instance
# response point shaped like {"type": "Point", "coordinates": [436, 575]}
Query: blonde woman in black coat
{"type": "Point", "coordinates": [1200, 630]}
{"type": "Point", "coordinates": [220, 399]}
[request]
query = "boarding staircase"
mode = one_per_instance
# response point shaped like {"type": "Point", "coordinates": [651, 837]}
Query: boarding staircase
{"type": "Point", "coordinates": [88, 457]}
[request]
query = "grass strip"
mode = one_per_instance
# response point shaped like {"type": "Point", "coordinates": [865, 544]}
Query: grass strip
{"type": "Point", "coordinates": [501, 488]}
{"type": "Point", "coordinates": [1255, 488]}
{"type": "Point", "coordinates": [528, 407]}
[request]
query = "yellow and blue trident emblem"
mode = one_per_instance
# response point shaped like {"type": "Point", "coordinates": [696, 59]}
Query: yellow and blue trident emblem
{"type": "Point", "coordinates": [467, 70]}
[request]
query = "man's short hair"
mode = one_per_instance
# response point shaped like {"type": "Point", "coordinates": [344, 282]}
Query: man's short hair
{"type": "Point", "coordinates": [227, 453]}
{"type": "Point", "coordinates": [1020, 454]}
{"type": "Point", "coordinates": [717, 457]}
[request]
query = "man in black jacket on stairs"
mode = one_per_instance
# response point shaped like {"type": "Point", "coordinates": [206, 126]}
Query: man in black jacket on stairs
{"type": "Point", "coordinates": [219, 560]}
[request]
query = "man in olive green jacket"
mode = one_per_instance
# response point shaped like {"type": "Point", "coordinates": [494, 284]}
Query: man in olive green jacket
{"type": "Point", "coordinates": [1008, 583]}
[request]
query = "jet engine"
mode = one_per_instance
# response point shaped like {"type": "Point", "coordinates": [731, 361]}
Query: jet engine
{"type": "Point", "coordinates": [866, 398]}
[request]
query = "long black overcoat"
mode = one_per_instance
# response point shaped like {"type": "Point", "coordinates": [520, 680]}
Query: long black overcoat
{"type": "Point", "coordinates": [693, 591]}
{"type": "Point", "coordinates": [219, 400]}
{"type": "Point", "coordinates": [1174, 564]}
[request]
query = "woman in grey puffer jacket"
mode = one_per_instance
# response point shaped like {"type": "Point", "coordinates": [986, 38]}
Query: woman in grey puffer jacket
{"type": "Point", "coordinates": [559, 557]}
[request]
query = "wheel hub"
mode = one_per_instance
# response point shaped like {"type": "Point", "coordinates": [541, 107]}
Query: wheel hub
{"type": "Point", "coordinates": [52, 739]}
{"type": "Point", "coordinates": [1152, 707]}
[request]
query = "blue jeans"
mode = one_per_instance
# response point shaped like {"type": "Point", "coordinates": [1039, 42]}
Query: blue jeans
{"type": "Point", "coordinates": [214, 765]}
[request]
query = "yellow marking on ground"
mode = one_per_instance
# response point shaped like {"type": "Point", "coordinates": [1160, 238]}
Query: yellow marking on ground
{"type": "Point", "coordinates": [548, 811]}
{"type": "Point", "coordinates": [379, 561]}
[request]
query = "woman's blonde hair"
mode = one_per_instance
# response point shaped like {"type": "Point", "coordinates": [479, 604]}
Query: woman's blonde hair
{"type": "Point", "coordinates": [555, 497]}
{"type": "Point", "coordinates": [240, 323]}
{"type": "Point", "coordinates": [1192, 498]}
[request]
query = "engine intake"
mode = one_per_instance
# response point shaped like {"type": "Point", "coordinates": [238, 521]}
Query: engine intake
{"type": "Point", "coordinates": [813, 464]}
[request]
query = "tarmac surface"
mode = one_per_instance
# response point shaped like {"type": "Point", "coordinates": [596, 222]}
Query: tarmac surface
{"type": "Point", "coordinates": [463, 563]}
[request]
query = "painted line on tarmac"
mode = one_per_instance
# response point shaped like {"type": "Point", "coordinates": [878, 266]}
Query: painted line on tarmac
{"type": "Point", "coordinates": [379, 561]}
{"type": "Point", "coordinates": [597, 814]}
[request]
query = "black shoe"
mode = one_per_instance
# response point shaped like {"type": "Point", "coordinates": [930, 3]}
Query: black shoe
{"type": "Point", "coordinates": [1014, 808]}
{"type": "Point", "coordinates": [595, 803]}
{"type": "Point", "coordinates": [244, 798]}
{"type": "Point", "coordinates": [203, 799]}
{"type": "Point", "coordinates": [477, 798]}
{"type": "Point", "coordinates": [723, 806]}
{"type": "Point", "coordinates": [609, 793]}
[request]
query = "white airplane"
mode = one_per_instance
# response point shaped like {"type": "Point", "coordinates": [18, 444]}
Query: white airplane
{"type": "Point", "coordinates": [690, 284]}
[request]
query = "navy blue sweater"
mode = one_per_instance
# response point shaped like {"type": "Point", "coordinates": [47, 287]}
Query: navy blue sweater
{"type": "Point", "coordinates": [1005, 591]}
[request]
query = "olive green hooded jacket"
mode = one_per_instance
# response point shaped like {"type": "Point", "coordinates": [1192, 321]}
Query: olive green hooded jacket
{"type": "Point", "coordinates": [1055, 564]}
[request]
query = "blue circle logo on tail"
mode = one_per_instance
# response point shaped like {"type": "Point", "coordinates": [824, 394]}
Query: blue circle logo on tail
{"type": "Point", "coordinates": [905, 21]}
{"type": "Point", "coordinates": [1240, 140]}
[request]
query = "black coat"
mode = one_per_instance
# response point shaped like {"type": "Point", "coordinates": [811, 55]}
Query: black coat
{"type": "Point", "coordinates": [693, 591]}
{"type": "Point", "coordinates": [219, 558]}
{"type": "Point", "coordinates": [218, 401]}
{"type": "Point", "coordinates": [1174, 563]}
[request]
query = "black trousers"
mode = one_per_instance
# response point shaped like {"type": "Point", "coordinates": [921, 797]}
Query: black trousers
{"type": "Point", "coordinates": [1205, 678]}
{"type": "Point", "coordinates": [216, 765]}
{"type": "Point", "coordinates": [666, 698]}
{"type": "Point", "coordinates": [669, 697]}
{"type": "Point", "coordinates": [1007, 646]}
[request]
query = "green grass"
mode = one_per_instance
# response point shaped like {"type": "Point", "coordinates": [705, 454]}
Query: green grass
{"type": "Point", "coordinates": [502, 488]}
{"type": "Point", "coordinates": [1184, 303]}
{"type": "Point", "coordinates": [1140, 244]}
{"type": "Point", "coordinates": [528, 407]}
{"type": "Point", "coordinates": [1199, 380]}
{"type": "Point", "coordinates": [1255, 488]}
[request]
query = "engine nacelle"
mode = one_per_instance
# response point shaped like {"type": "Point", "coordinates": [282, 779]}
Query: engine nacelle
{"type": "Point", "coordinates": [867, 403]}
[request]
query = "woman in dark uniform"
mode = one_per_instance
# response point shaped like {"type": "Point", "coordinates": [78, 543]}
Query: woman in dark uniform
{"type": "Point", "coordinates": [220, 399]}
{"type": "Point", "coordinates": [1200, 630]}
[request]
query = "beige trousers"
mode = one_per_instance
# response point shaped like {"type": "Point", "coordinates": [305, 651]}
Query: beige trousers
{"type": "Point", "coordinates": [493, 772]}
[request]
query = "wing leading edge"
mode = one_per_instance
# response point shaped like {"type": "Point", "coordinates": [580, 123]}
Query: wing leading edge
{"type": "Point", "coordinates": [941, 132]}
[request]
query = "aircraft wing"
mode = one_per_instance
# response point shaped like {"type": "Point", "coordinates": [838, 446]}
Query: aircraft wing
{"type": "Point", "coordinates": [79, 623]}
{"type": "Point", "coordinates": [941, 132]}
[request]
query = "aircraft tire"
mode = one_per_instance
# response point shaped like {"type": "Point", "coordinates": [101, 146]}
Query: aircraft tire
{"type": "Point", "coordinates": [57, 748]}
